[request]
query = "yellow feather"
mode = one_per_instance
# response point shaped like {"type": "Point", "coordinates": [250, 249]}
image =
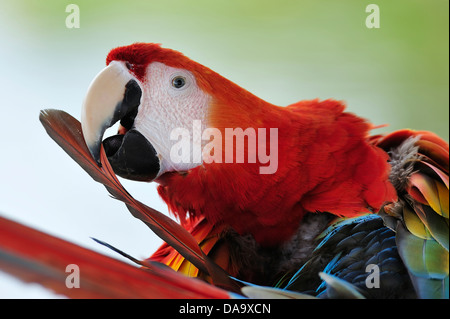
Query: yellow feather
{"type": "Point", "coordinates": [415, 225]}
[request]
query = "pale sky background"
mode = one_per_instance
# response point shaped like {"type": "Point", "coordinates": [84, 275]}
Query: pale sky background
{"type": "Point", "coordinates": [282, 51]}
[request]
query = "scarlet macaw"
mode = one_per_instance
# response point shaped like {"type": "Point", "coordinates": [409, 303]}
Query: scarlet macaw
{"type": "Point", "coordinates": [332, 206]}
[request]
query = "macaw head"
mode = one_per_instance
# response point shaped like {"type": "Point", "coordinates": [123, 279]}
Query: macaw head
{"type": "Point", "coordinates": [157, 94]}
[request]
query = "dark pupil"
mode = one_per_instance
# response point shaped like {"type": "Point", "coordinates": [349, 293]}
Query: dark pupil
{"type": "Point", "coordinates": [178, 82]}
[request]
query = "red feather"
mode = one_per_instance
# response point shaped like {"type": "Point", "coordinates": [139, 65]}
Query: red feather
{"type": "Point", "coordinates": [37, 257]}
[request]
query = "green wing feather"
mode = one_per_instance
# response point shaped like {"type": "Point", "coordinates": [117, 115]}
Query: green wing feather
{"type": "Point", "coordinates": [422, 212]}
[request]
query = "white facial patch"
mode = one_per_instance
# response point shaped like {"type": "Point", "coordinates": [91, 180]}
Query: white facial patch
{"type": "Point", "coordinates": [171, 100]}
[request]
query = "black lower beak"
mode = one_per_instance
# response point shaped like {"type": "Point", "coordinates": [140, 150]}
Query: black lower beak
{"type": "Point", "coordinates": [132, 156]}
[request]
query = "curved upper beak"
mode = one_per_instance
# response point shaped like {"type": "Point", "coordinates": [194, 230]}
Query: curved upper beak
{"type": "Point", "coordinates": [115, 95]}
{"type": "Point", "coordinates": [105, 104]}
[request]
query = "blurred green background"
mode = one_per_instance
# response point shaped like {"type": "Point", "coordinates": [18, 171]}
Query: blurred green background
{"type": "Point", "coordinates": [282, 51]}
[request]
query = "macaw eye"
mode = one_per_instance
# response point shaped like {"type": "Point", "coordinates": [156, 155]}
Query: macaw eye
{"type": "Point", "coordinates": [178, 82]}
{"type": "Point", "coordinates": [129, 65]}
